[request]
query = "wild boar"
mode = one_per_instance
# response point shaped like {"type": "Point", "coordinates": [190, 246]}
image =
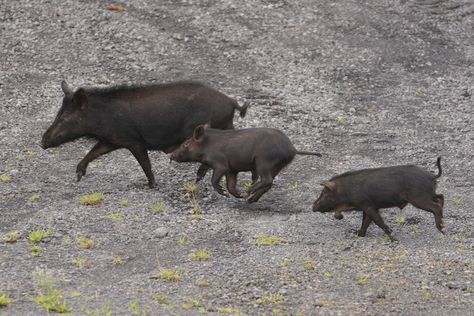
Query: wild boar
{"type": "Point", "coordinates": [138, 118]}
{"type": "Point", "coordinates": [263, 151]}
{"type": "Point", "coordinates": [369, 190]}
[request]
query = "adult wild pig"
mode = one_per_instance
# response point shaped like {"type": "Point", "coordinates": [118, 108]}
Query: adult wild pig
{"type": "Point", "coordinates": [139, 118]}
{"type": "Point", "coordinates": [263, 151]}
{"type": "Point", "coordinates": [369, 190]}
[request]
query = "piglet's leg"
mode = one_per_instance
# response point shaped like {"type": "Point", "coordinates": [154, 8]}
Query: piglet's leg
{"type": "Point", "coordinates": [231, 181]}
{"type": "Point", "coordinates": [435, 207]}
{"type": "Point", "coordinates": [201, 172]}
{"type": "Point", "coordinates": [375, 216]}
{"type": "Point", "coordinates": [101, 148]}
{"type": "Point", "coordinates": [141, 155]}
{"type": "Point", "coordinates": [216, 178]}
{"type": "Point", "coordinates": [260, 188]}
{"type": "Point", "coordinates": [366, 220]}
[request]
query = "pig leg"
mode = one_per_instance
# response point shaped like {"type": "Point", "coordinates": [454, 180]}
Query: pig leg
{"type": "Point", "coordinates": [101, 148]}
{"type": "Point", "coordinates": [433, 206]}
{"type": "Point", "coordinates": [201, 172]}
{"type": "Point", "coordinates": [260, 188]}
{"type": "Point", "coordinates": [231, 180]}
{"type": "Point", "coordinates": [254, 176]}
{"type": "Point", "coordinates": [216, 178]}
{"type": "Point", "coordinates": [366, 220]}
{"type": "Point", "coordinates": [141, 155]}
{"type": "Point", "coordinates": [375, 216]}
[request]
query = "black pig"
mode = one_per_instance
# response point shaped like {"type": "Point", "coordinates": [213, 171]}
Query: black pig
{"type": "Point", "coordinates": [369, 190]}
{"type": "Point", "coordinates": [263, 151]}
{"type": "Point", "coordinates": [139, 118]}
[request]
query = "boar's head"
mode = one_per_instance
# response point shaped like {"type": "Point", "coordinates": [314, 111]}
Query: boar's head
{"type": "Point", "coordinates": [328, 200]}
{"type": "Point", "coordinates": [192, 149]}
{"type": "Point", "coordinates": [70, 122]}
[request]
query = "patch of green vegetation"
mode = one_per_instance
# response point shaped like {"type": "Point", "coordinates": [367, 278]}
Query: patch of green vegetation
{"type": "Point", "coordinates": [11, 237]}
{"type": "Point", "coordinates": [191, 193]}
{"type": "Point", "coordinates": [38, 235]}
{"type": "Point", "coordinates": [182, 241]}
{"type": "Point", "coordinates": [270, 299]}
{"type": "Point", "coordinates": [248, 185]}
{"type": "Point", "coordinates": [192, 304]}
{"type": "Point", "coordinates": [85, 243]}
{"type": "Point", "coordinates": [170, 275]}
{"type": "Point", "coordinates": [5, 178]}
{"type": "Point", "coordinates": [309, 264]}
{"type": "Point", "coordinates": [202, 283]}
{"type": "Point", "coordinates": [74, 294]}
{"type": "Point", "coordinates": [191, 188]}
{"type": "Point", "coordinates": [36, 251]}
{"type": "Point", "coordinates": [66, 241]}
{"type": "Point", "coordinates": [134, 306]}
{"type": "Point", "coordinates": [92, 199]}
{"type": "Point", "coordinates": [50, 298]}
{"type": "Point", "coordinates": [426, 294]}
{"type": "Point", "coordinates": [31, 154]}
{"type": "Point", "coordinates": [448, 272]}
{"type": "Point", "coordinates": [117, 261]}
{"type": "Point", "coordinates": [116, 217]}
{"type": "Point", "coordinates": [416, 228]}
{"type": "Point", "coordinates": [401, 220]}
{"type": "Point", "coordinates": [124, 202]}
{"type": "Point", "coordinates": [105, 310]}
{"type": "Point", "coordinates": [286, 262]}
{"type": "Point", "coordinates": [341, 120]}
{"type": "Point", "coordinates": [158, 208]}
{"type": "Point", "coordinates": [201, 255]}
{"type": "Point", "coordinates": [34, 198]}
{"type": "Point", "coordinates": [270, 240]}
{"type": "Point", "coordinates": [362, 280]}
{"type": "Point", "coordinates": [293, 186]}
{"type": "Point", "coordinates": [20, 157]}
{"type": "Point", "coordinates": [418, 91]}
{"type": "Point", "coordinates": [458, 202]}
{"type": "Point", "coordinates": [329, 274]}
{"type": "Point", "coordinates": [161, 299]}
{"type": "Point", "coordinates": [356, 237]}
{"type": "Point", "coordinates": [225, 310]}
{"type": "Point", "coordinates": [4, 300]}
{"type": "Point", "coordinates": [80, 262]}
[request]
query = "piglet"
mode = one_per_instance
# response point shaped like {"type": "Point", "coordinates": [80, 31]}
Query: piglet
{"type": "Point", "coordinates": [263, 151]}
{"type": "Point", "coordinates": [369, 190]}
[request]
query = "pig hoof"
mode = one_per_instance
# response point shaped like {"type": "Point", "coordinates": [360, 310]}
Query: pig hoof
{"type": "Point", "coordinates": [151, 185]}
{"type": "Point", "coordinates": [338, 216]}
{"type": "Point", "coordinates": [79, 176]}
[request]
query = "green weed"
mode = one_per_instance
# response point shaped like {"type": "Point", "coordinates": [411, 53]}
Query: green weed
{"type": "Point", "coordinates": [50, 298]}
{"type": "Point", "coordinates": [11, 237]}
{"type": "Point", "coordinates": [158, 208]}
{"type": "Point", "coordinates": [416, 228]}
{"type": "Point", "coordinates": [270, 240]}
{"type": "Point", "coordinates": [401, 220]}
{"type": "Point", "coordinates": [309, 264]}
{"type": "Point", "coordinates": [329, 274]}
{"type": "Point", "coordinates": [426, 294]}
{"type": "Point", "coordinates": [192, 304]}
{"type": "Point", "coordinates": [36, 251]}
{"type": "Point", "coordinates": [117, 261]}
{"type": "Point", "coordinates": [31, 154]}
{"type": "Point", "coordinates": [286, 262]}
{"type": "Point", "coordinates": [34, 198]}
{"type": "Point", "coordinates": [80, 262]}
{"type": "Point", "coordinates": [85, 243]}
{"type": "Point", "coordinates": [270, 299]}
{"type": "Point", "coordinates": [5, 178]}
{"type": "Point", "coordinates": [200, 255]}
{"type": "Point", "coordinates": [362, 280]}
{"type": "Point", "coordinates": [341, 120]}
{"type": "Point", "coordinates": [38, 235]}
{"type": "Point", "coordinates": [124, 202]}
{"type": "Point", "coordinates": [458, 202]}
{"type": "Point", "coordinates": [115, 217]}
{"type": "Point", "coordinates": [169, 275]}
{"type": "Point", "coordinates": [248, 185]}
{"type": "Point", "coordinates": [182, 241]}
{"type": "Point", "coordinates": [20, 157]}
{"type": "Point", "coordinates": [4, 301]}
{"type": "Point", "coordinates": [202, 283]}
{"type": "Point", "coordinates": [92, 199]}
{"type": "Point", "coordinates": [161, 299]}
{"type": "Point", "coordinates": [293, 186]}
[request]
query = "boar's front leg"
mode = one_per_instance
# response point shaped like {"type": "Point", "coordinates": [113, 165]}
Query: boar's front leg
{"type": "Point", "coordinates": [216, 178]}
{"type": "Point", "coordinates": [141, 155]}
{"type": "Point", "coordinates": [231, 180]}
{"type": "Point", "coordinates": [375, 216]}
{"type": "Point", "coordinates": [101, 148]}
{"type": "Point", "coordinates": [366, 220]}
{"type": "Point", "coordinates": [201, 172]}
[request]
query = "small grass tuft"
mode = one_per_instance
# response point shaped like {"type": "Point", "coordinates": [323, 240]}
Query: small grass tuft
{"type": "Point", "coordinates": [202, 283]}
{"type": "Point", "coordinates": [248, 185]}
{"type": "Point", "coordinates": [117, 261]}
{"type": "Point", "coordinates": [34, 198]}
{"type": "Point", "coordinates": [92, 199]}
{"type": "Point", "coordinates": [270, 299]}
{"type": "Point", "coordinates": [11, 237]}
{"type": "Point", "coordinates": [201, 255]}
{"type": "Point", "coordinates": [341, 120]}
{"type": "Point", "coordinates": [293, 186]}
{"type": "Point", "coordinates": [116, 217]}
{"type": "Point", "coordinates": [36, 251]}
{"type": "Point", "coordinates": [31, 154]}
{"type": "Point", "coordinates": [158, 208]}
{"type": "Point", "coordinates": [191, 188]}
{"type": "Point", "coordinates": [401, 220]}
{"type": "Point", "coordinates": [161, 299]}
{"type": "Point", "coordinates": [20, 157]}
{"type": "Point", "coordinates": [182, 241]}
{"type": "Point", "coordinates": [309, 264]}
{"type": "Point", "coordinates": [124, 202]}
{"type": "Point", "coordinates": [4, 301]}
{"type": "Point", "coordinates": [362, 280]}
{"type": "Point", "coordinates": [74, 294]}
{"type": "Point", "coordinates": [38, 235]}
{"type": "Point", "coordinates": [50, 298]}
{"type": "Point", "coordinates": [170, 275]}
{"type": "Point", "coordinates": [225, 310]}
{"type": "Point", "coordinates": [5, 178]}
{"type": "Point", "coordinates": [286, 262]}
{"type": "Point", "coordinates": [416, 228]}
{"type": "Point", "coordinates": [270, 240]}
{"type": "Point", "coordinates": [192, 304]}
{"type": "Point", "coordinates": [426, 294]}
{"type": "Point", "coordinates": [80, 262]}
{"type": "Point", "coordinates": [85, 243]}
{"type": "Point", "coordinates": [458, 202]}
{"type": "Point", "coordinates": [329, 274]}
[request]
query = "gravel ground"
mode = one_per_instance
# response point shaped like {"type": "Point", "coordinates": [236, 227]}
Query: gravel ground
{"type": "Point", "coordinates": [366, 83]}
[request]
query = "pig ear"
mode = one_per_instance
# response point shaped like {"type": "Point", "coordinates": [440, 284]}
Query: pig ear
{"type": "Point", "coordinates": [207, 125]}
{"type": "Point", "coordinates": [65, 87]}
{"type": "Point", "coordinates": [199, 132]}
{"type": "Point", "coordinates": [80, 98]}
{"type": "Point", "coordinates": [331, 185]}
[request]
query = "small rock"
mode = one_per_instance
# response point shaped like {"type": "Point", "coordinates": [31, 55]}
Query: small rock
{"type": "Point", "coordinates": [160, 232]}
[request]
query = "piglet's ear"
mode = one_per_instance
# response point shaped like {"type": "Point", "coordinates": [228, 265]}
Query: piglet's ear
{"type": "Point", "coordinates": [331, 185]}
{"type": "Point", "coordinates": [199, 132]}
{"type": "Point", "coordinates": [65, 87]}
{"type": "Point", "coordinates": [80, 98]}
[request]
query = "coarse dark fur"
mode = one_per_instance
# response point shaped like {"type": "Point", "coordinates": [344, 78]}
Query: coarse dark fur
{"type": "Point", "coordinates": [139, 118]}
{"type": "Point", "coordinates": [369, 190]}
{"type": "Point", "coordinates": [263, 151]}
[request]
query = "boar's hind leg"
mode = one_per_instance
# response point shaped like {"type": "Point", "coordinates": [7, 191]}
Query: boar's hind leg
{"type": "Point", "coordinates": [375, 216]}
{"type": "Point", "coordinates": [366, 220]}
{"type": "Point", "coordinates": [231, 180]}
{"type": "Point", "coordinates": [201, 172]}
{"type": "Point", "coordinates": [141, 155]}
{"type": "Point", "coordinates": [434, 206]}
{"type": "Point", "coordinates": [216, 178]}
{"type": "Point", "coordinates": [101, 148]}
{"type": "Point", "coordinates": [261, 187]}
